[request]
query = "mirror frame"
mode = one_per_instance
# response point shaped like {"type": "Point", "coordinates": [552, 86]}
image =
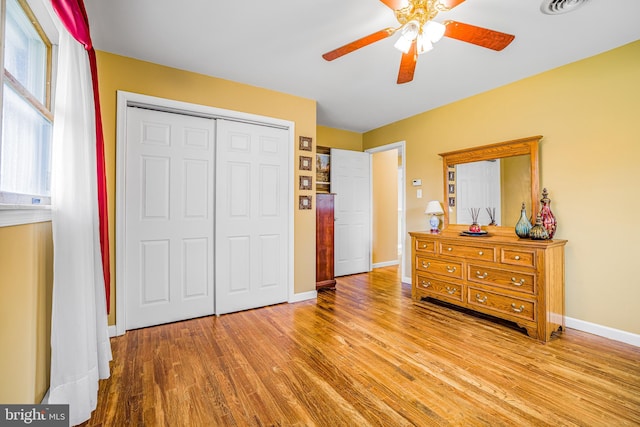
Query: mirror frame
{"type": "Point", "coordinates": [516, 147]}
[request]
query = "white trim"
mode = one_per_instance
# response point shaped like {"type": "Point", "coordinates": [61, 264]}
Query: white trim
{"type": "Point", "coordinates": [400, 146]}
{"type": "Point", "coordinates": [406, 280]}
{"type": "Point", "coordinates": [162, 104]}
{"type": "Point", "coordinates": [386, 263]}
{"type": "Point", "coordinates": [11, 215]}
{"type": "Point", "coordinates": [113, 331]}
{"type": "Point", "coordinates": [303, 296]}
{"type": "Point", "coordinates": [603, 331]}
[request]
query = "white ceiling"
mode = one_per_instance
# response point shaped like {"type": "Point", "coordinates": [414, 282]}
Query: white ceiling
{"type": "Point", "coordinates": [278, 44]}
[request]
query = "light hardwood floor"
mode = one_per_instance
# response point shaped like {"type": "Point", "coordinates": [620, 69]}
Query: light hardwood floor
{"type": "Point", "coordinates": [361, 355]}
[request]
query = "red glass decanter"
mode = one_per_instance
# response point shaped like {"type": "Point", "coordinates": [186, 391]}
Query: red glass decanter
{"type": "Point", "coordinates": [548, 220]}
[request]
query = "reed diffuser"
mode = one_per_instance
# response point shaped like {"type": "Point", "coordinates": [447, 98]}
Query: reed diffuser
{"type": "Point", "coordinates": [474, 227]}
{"type": "Point", "coordinates": [492, 215]}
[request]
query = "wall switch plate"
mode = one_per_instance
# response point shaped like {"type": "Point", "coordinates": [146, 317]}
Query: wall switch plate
{"type": "Point", "coordinates": [419, 193]}
{"type": "Point", "coordinates": [416, 182]}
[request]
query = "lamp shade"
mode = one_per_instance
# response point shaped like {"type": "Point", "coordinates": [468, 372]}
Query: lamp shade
{"type": "Point", "coordinates": [434, 208]}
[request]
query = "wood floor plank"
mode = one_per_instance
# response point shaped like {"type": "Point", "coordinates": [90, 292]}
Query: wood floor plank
{"type": "Point", "coordinates": [365, 355]}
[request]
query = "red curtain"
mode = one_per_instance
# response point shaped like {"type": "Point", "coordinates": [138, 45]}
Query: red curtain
{"type": "Point", "coordinates": [74, 17]}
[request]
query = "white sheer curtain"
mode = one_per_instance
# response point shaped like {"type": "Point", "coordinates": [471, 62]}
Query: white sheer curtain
{"type": "Point", "coordinates": [80, 348]}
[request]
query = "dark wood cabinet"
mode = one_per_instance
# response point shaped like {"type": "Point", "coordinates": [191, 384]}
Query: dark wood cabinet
{"type": "Point", "coordinates": [324, 242]}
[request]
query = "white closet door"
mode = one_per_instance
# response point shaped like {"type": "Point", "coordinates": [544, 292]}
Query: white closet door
{"type": "Point", "coordinates": [351, 182]}
{"type": "Point", "coordinates": [251, 216]}
{"type": "Point", "coordinates": [169, 217]}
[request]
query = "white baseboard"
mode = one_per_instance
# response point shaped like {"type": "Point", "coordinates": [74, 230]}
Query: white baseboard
{"type": "Point", "coordinates": [112, 331]}
{"type": "Point", "coordinates": [303, 296]}
{"type": "Point", "coordinates": [603, 331]}
{"type": "Point", "coordinates": [385, 264]}
{"type": "Point", "coordinates": [406, 280]}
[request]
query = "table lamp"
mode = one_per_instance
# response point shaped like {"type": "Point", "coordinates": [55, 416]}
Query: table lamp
{"type": "Point", "coordinates": [434, 209]}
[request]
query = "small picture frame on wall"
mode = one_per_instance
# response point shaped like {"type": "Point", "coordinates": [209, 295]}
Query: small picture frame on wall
{"type": "Point", "coordinates": [304, 202]}
{"type": "Point", "coordinates": [452, 202]}
{"type": "Point", "coordinates": [306, 143]}
{"type": "Point", "coordinates": [306, 183]}
{"type": "Point", "coordinates": [452, 175]}
{"type": "Point", "coordinates": [452, 189]}
{"type": "Point", "coordinates": [305, 163]}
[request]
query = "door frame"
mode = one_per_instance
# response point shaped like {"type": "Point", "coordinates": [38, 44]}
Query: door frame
{"type": "Point", "coordinates": [400, 146]}
{"type": "Point", "coordinates": [127, 99]}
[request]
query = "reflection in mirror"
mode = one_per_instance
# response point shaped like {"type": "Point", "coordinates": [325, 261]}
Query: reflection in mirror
{"type": "Point", "coordinates": [497, 187]}
{"type": "Point", "coordinates": [494, 179]}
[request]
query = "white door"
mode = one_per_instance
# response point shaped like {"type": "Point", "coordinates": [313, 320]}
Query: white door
{"type": "Point", "coordinates": [478, 187]}
{"type": "Point", "coordinates": [169, 170]}
{"type": "Point", "coordinates": [350, 181]}
{"type": "Point", "coordinates": [252, 219]}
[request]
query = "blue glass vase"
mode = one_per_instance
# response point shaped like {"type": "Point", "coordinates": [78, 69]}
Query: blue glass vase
{"type": "Point", "coordinates": [523, 226]}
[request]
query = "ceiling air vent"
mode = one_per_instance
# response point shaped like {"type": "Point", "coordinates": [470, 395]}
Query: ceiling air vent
{"type": "Point", "coordinates": [556, 7]}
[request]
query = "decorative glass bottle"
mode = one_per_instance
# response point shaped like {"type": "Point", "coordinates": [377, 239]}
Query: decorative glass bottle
{"type": "Point", "coordinates": [523, 226]}
{"type": "Point", "coordinates": [538, 232]}
{"type": "Point", "coordinates": [548, 220]}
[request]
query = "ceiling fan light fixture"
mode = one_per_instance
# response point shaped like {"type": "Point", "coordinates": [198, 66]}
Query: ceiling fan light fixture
{"type": "Point", "coordinates": [434, 31]}
{"type": "Point", "coordinates": [424, 44]}
{"type": "Point", "coordinates": [408, 34]}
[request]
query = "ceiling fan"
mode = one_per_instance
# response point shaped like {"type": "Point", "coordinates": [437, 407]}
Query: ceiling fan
{"type": "Point", "coordinates": [418, 32]}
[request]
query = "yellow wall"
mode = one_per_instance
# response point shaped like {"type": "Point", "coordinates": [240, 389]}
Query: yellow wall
{"type": "Point", "coordinates": [588, 113]}
{"type": "Point", "coordinates": [131, 75]}
{"type": "Point", "coordinates": [26, 263]}
{"type": "Point", "coordinates": [384, 183]}
{"type": "Point", "coordinates": [337, 138]}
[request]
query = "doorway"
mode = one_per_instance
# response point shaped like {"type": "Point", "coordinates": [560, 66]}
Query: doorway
{"type": "Point", "coordinates": [389, 236]}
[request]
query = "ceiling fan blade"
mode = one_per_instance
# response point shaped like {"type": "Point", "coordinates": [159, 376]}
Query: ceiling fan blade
{"type": "Point", "coordinates": [477, 35]}
{"type": "Point", "coordinates": [357, 44]}
{"type": "Point", "coordinates": [450, 4]}
{"type": "Point", "coordinates": [408, 64]}
{"type": "Point", "coordinates": [395, 4]}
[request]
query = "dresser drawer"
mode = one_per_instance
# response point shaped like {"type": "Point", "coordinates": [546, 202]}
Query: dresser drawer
{"type": "Point", "coordinates": [439, 266]}
{"type": "Point", "coordinates": [522, 257]}
{"type": "Point", "coordinates": [425, 245]}
{"type": "Point", "coordinates": [483, 253]}
{"type": "Point", "coordinates": [514, 307]}
{"type": "Point", "coordinates": [513, 280]}
{"type": "Point", "coordinates": [433, 286]}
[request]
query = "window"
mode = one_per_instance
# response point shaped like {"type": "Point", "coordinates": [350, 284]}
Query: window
{"type": "Point", "coordinates": [25, 142]}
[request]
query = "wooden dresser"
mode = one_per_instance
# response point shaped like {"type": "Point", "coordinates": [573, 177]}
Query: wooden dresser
{"type": "Point", "coordinates": [515, 279]}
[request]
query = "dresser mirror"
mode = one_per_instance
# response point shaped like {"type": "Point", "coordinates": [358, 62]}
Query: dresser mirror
{"type": "Point", "coordinates": [495, 178]}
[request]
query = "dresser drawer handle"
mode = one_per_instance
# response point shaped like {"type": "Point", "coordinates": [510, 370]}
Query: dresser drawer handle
{"type": "Point", "coordinates": [517, 258]}
{"type": "Point", "coordinates": [424, 246]}
{"type": "Point", "coordinates": [426, 284]}
{"type": "Point", "coordinates": [427, 265]}
{"type": "Point", "coordinates": [481, 299]}
{"type": "Point", "coordinates": [451, 291]}
{"type": "Point", "coordinates": [481, 276]}
{"type": "Point", "coordinates": [517, 283]}
{"type": "Point", "coordinates": [480, 253]}
{"type": "Point", "coordinates": [451, 269]}
{"type": "Point", "coordinates": [449, 249]}
{"type": "Point", "coordinates": [517, 310]}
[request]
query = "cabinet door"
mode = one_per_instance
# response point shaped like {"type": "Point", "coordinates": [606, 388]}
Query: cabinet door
{"type": "Point", "coordinates": [324, 240]}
